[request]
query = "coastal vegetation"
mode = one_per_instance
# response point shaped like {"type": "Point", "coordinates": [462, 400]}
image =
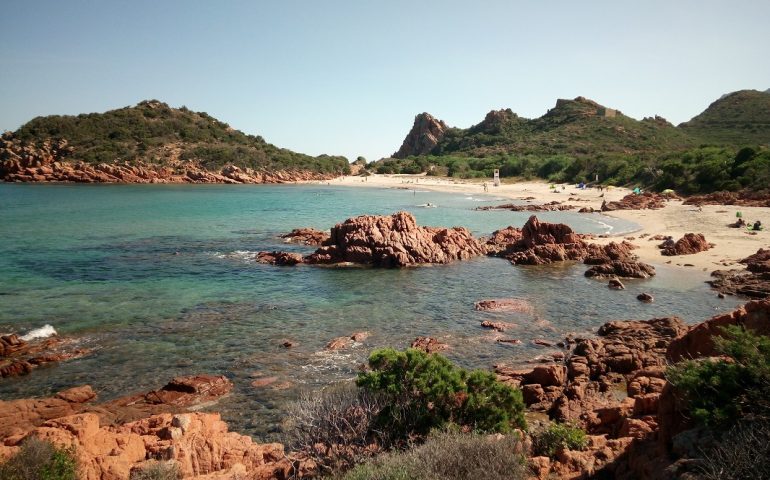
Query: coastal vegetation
{"type": "Point", "coordinates": [557, 436]}
{"type": "Point", "coordinates": [156, 133]}
{"type": "Point", "coordinates": [696, 170]}
{"type": "Point", "coordinates": [426, 391]}
{"type": "Point", "coordinates": [449, 455]}
{"type": "Point", "coordinates": [40, 460]}
{"type": "Point", "coordinates": [729, 397]}
{"type": "Point", "coordinates": [403, 398]}
{"type": "Point", "coordinates": [723, 148]}
{"type": "Point", "coordinates": [736, 387]}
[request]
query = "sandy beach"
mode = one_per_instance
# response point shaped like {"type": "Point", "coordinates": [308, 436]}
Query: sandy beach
{"type": "Point", "coordinates": [730, 244]}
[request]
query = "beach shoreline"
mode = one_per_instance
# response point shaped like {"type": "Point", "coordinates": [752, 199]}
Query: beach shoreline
{"type": "Point", "coordinates": [675, 219]}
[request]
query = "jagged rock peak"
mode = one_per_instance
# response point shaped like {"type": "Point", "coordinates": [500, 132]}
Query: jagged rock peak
{"type": "Point", "coordinates": [495, 119]}
{"type": "Point", "coordinates": [425, 134]}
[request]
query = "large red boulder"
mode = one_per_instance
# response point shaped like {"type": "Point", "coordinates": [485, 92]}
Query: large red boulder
{"type": "Point", "coordinates": [394, 241]}
{"type": "Point", "coordinates": [689, 244]}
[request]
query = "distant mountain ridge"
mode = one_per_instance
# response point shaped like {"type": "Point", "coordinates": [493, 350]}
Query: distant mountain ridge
{"type": "Point", "coordinates": [584, 127]}
{"type": "Point", "coordinates": [151, 142]}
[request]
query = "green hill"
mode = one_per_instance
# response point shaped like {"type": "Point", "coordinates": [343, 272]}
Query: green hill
{"type": "Point", "coordinates": [576, 127]}
{"type": "Point", "coordinates": [738, 118]}
{"type": "Point", "coordinates": [155, 133]}
{"type": "Point", "coordinates": [579, 139]}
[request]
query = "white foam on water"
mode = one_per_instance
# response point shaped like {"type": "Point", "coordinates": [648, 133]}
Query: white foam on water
{"type": "Point", "coordinates": [608, 228]}
{"type": "Point", "coordinates": [237, 255]}
{"type": "Point", "coordinates": [42, 332]}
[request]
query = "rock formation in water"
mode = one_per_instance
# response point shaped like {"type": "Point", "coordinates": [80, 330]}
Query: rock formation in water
{"type": "Point", "coordinates": [306, 236]}
{"type": "Point", "coordinates": [20, 357]}
{"type": "Point", "coordinates": [539, 243]}
{"type": "Point", "coordinates": [279, 258]}
{"type": "Point", "coordinates": [394, 241]}
{"type": "Point", "coordinates": [425, 134]}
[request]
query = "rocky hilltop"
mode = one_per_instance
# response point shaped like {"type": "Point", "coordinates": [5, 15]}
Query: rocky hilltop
{"type": "Point", "coordinates": [425, 134]}
{"type": "Point", "coordinates": [577, 126]}
{"type": "Point", "coordinates": [151, 143]}
{"type": "Point", "coordinates": [581, 126]}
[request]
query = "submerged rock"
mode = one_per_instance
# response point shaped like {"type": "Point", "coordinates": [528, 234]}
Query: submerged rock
{"type": "Point", "coordinates": [503, 305]}
{"type": "Point", "coordinates": [428, 344]}
{"type": "Point", "coordinates": [279, 258]}
{"type": "Point", "coordinates": [645, 297]}
{"type": "Point", "coordinates": [306, 236]}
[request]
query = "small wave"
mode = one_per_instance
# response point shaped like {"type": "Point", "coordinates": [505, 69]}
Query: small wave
{"type": "Point", "coordinates": [237, 255]}
{"type": "Point", "coordinates": [608, 228]}
{"type": "Point", "coordinates": [42, 332]}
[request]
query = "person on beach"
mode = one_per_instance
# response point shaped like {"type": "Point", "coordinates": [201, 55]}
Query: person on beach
{"type": "Point", "coordinates": [757, 226]}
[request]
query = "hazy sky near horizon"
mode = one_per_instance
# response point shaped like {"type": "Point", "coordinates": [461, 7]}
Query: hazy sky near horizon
{"type": "Point", "coordinates": [348, 77]}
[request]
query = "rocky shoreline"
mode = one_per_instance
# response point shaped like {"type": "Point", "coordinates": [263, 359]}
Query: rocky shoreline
{"type": "Point", "coordinates": [50, 162]}
{"type": "Point", "coordinates": [613, 386]}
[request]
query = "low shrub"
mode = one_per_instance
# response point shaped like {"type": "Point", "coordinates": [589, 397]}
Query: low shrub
{"type": "Point", "coordinates": [744, 452]}
{"type": "Point", "coordinates": [334, 427]}
{"type": "Point", "coordinates": [558, 436]}
{"type": "Point", "coordinates": [426, 391]}
{"type": "Point", "coordinates": [157, 471]}
{"type": "Point", "coordinates": [719, 393]}
{"type": "Point", "coordinates": [40, 460]}
{"type": "Point", "coordinates": [449, 456]}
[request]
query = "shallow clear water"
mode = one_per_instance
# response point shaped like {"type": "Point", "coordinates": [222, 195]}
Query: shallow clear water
{"type": "Point", "coordinates": [161, 281]}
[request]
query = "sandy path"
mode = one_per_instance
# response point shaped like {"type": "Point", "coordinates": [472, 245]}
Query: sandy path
{"type": "Point", "coordinates": [731, 244]}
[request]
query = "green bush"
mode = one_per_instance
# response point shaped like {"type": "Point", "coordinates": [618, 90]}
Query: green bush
{"type": "Point", "coordinates": [155, 470]}
{"type": "Point", "coordinates": [425, 391]}
{"type": "Point", "coordinates": [558, 436]}
{"type": "Point", "coordinates": [719, 393]}
{"type": "Point", "coordinates": [40, 460]}
{"type": "Point", "coordinates": [341, 418]}
{"type": "Point", "coordinates": [449, 456]}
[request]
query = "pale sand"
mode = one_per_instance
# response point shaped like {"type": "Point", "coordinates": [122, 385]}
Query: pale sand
{"type": "Point", "coordinates": [731, 244]}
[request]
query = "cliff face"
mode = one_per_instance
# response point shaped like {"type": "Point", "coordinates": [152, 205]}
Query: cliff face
{"type": "Point", "coordinates": [425, 134]}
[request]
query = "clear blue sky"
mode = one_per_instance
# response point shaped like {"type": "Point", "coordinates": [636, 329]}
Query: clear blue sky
{"type": "Point", "coordinates": [347, 77]}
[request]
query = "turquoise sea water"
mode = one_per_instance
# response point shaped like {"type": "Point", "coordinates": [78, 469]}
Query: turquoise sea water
{"type": "Point", "coordinates": [161, 281]}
